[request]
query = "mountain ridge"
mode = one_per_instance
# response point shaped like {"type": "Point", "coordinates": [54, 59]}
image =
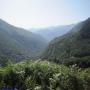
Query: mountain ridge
{"type": "Point", "coordinates": [18, 43]}
{"type": "Point", "coordinates": [75, 44]}
{"type": "Point", "coordinates": [52, 32]}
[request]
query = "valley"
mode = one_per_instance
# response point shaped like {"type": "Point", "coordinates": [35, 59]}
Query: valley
{"type": "Point", "coordinates": [33, 61]}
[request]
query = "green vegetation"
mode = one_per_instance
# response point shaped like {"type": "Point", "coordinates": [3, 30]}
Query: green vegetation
{"type": "Point", "coordinates": [44, 75]}
{"type": "Point", "coordinates": [17, 43]}
{"type": "Point", "coordinates": [71, 52]}
{"type": "Point", "coordinates": [75, 45]}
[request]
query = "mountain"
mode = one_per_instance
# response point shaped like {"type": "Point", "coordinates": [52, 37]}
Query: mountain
{"type": "Point", "coordinates": [52, 32]}
{"type": "Point", "coordinates": [18, 43]}
{"type": "Point", "coordinates": [73, 47]}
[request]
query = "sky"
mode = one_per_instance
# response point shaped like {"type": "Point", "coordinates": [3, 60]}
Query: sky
{"type": "Point", "coordinates": [44, 13]}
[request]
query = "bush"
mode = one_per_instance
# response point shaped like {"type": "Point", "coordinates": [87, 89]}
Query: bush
{"type": "Point", "coordinates": [44, 75]}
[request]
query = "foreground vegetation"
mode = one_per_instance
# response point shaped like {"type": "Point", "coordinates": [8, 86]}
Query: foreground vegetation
{"type": "Point", "coordinates": [44, 75]}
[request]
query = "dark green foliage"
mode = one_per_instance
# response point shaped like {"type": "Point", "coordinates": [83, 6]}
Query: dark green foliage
{"type": "Point", "coordinates": [43, 75]}
{"type": "Point", "coordinates": [75, 44]}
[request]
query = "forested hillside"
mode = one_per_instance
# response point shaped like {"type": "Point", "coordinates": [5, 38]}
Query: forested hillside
{"type": "Point", "coordinates": [64, 65]}
{"type": "Point", "coordinates": [44, 44]}
{"type": "Point", "coordinates": [73, 47]}
{"type": "Point", "coordinates": [17, 44]}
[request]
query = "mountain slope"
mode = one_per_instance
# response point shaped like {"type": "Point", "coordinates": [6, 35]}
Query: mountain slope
{"type": "Point", "coordinates": [75, 44]}
{"type": "Point", "coordinates": [52, 32]}
{"type": "Point", "coordinates": [17, 43]}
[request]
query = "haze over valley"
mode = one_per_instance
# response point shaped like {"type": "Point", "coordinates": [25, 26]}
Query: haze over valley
{"type": "Point", "coordinates": [44, 45]}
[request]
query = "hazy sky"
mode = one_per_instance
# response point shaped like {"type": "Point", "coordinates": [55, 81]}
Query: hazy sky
{"type": "Point", "coordinates": [43, 13]}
